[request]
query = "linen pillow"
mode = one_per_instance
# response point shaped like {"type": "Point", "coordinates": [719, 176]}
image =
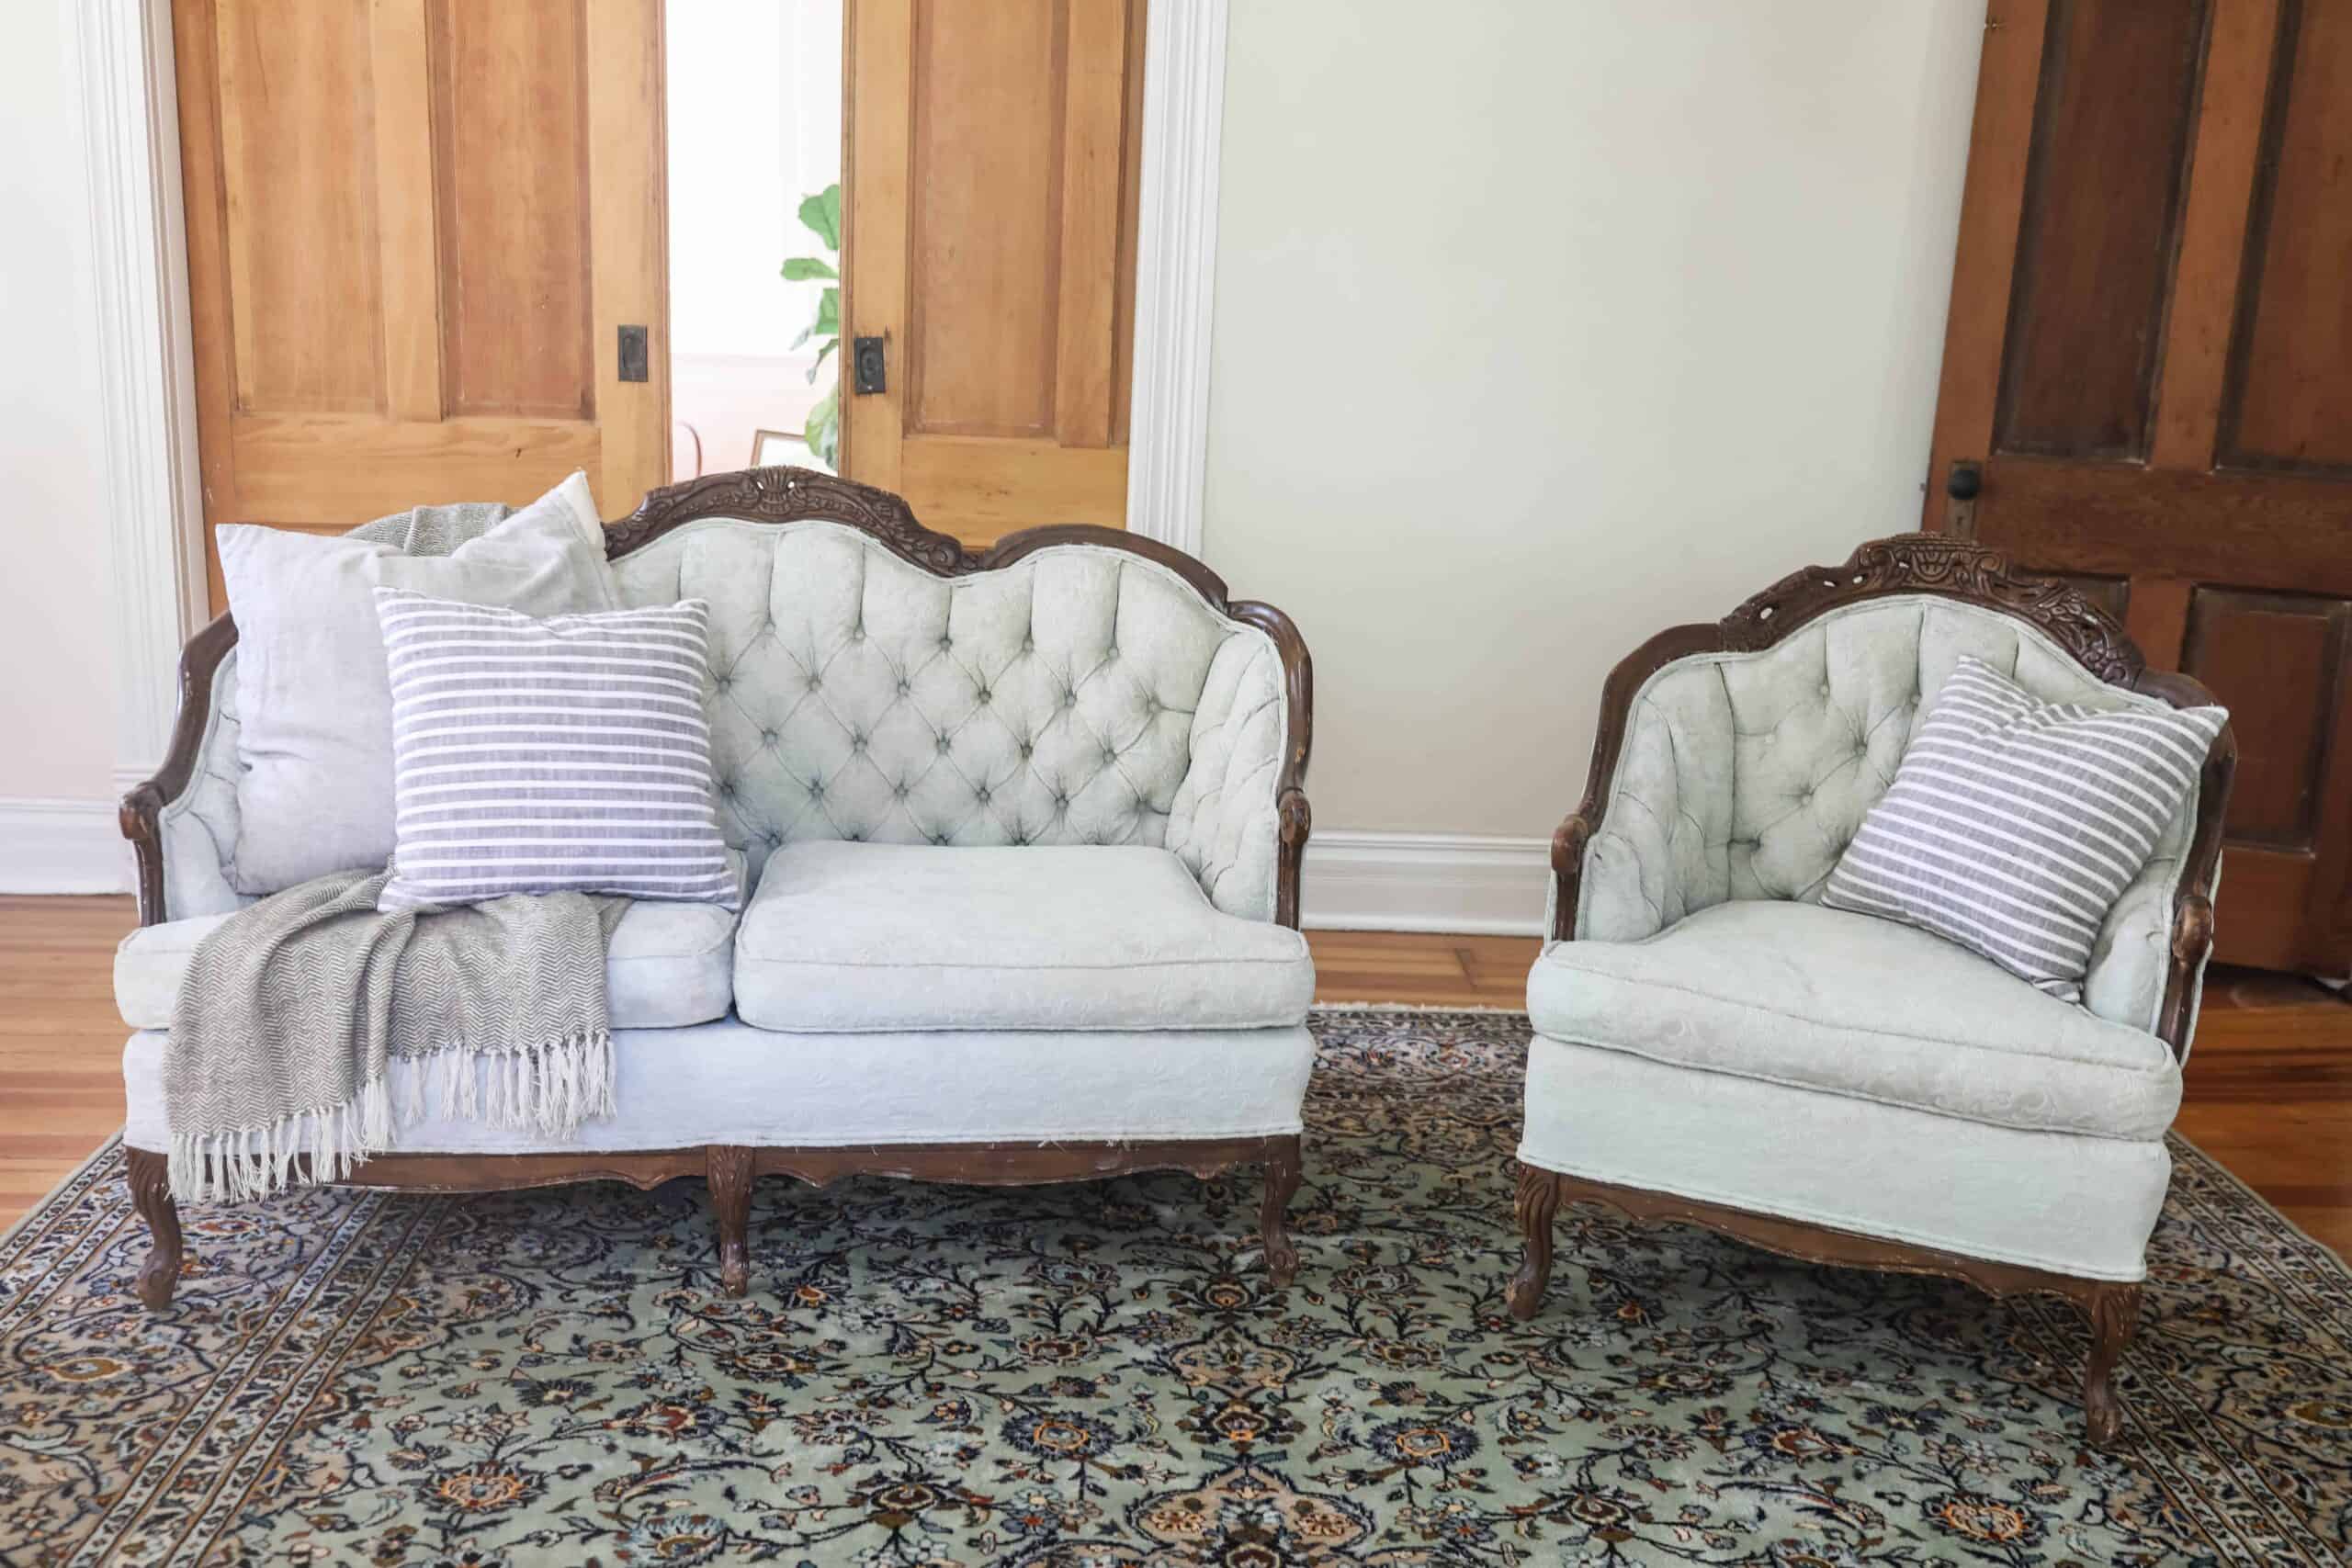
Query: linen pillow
{"type": "Point", "coordinates": [542, 756]}
{"type": "Point", "coordinates": [2013, 825]}
{"type": "Point", "coordinates": [315, 795]}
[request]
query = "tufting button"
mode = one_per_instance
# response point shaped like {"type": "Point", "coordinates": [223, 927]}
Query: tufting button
{"type": "Point", "coordinates": [1070, 698]}
{"type": "Point", "coordinates": [1029, 643]}
{"type": "Point", "coordinates": [1152, 706]}
{"type": "Point", "coordinates": [775, 839]}
{"type": "Point", "coordinates": [1824, 688]}
{"type": "Point", "coordinates": [946, 641]}
{"type": "Point", "coordinates": [944, 744]}
{"type": "Point", "coordinates": [939, 838]}
{"type": "Point", "coordinates": [857, 634]}
{"type": "Point", "coordinates": [985, 695]}
{"type": "Point", "coordinates": [723, 682]}
{"type": "Point", "coordinates": [1019, 838]}
{"type": "Point", "coordinates": [1109, 756]}
{"type": "Point", "coordinates": [981, 795]}
{"type": "Point", "coordinates": [1110, 653]}
{"type": "Point", "coordinates": [768, 737]}
{"type": "Point", "coordinates": [816, 789]}
{"type": "Point", "coordinates": [854, 836]}
{"type": "Point", "coordinates": [898, 790]}
{"type": "Point", "coordinates": [904, 687]}
{"type": "Point", "coordinates": [1028, 749]}
{"type": "Point", "coordinates": [1061, 801]}
{"type": "Point", "coordinates": [858, 743]}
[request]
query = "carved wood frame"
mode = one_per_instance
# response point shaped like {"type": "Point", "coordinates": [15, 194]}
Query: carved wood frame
{"type": "Point", "coordinates": [781, 495]}
{"type": "Point", "coordinates": [1972, 575]}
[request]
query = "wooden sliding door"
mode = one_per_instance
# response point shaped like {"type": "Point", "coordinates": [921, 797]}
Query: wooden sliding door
{"type": "Point", "coordinates": [426, 246]}
{"type": "Point", "coordinates": [2147, 385]}
{"type": "Point", "coordinates": [990, 175]}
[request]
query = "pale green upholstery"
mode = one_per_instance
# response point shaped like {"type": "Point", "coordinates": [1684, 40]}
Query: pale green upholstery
{"type": "Point", "coordinates": [1744, 776]}
{"type": "Point", "coordinates": [1082, 696]}
{"type": "Point", "coordinates": [1713, 1032]}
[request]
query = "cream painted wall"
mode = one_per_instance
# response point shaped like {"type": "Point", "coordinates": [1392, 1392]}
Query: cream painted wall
{"type": "Point", "coordinates": [56, 651]}
{"type": "Point", "coordinates": [1543, 326]}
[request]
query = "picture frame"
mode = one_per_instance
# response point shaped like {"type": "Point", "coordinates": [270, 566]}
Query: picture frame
{"type": "Point", "coordinates": [776, 448]}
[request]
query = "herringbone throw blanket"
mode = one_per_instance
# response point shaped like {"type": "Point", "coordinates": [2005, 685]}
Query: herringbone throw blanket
{"type": "Point", "coordinates": [297, 1009]}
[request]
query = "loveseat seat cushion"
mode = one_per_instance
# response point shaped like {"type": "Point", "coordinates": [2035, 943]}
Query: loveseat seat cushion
{"type": "Point", "coordinates": [862, 937]}
{"type": "Point", "coordinates": [1850, 1005]}
{"type": "Point", "coordinates": [667, 964]}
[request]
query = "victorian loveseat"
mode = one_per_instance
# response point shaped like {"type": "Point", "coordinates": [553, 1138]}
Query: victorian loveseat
{"type": "Point", "coordinates": [907, 992]}
{"type": "Point", "coordinates": [1713, 1044]}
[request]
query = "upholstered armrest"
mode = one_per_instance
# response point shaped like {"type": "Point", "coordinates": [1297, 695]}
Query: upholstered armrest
{"type": "Point", "coordinates": [1240, 816]}
{"type": "Point", "coordinates": [1651, 841]}
{"type": "Point", "coordinates": [183, 822]}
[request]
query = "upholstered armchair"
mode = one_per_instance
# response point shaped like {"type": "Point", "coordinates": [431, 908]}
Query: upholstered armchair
{"type": "Point", "coordinates": [1714, 1045]}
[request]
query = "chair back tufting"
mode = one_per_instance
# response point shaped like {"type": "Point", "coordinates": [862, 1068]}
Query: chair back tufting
{"type": "Point", "coordinates": [1062, 698]}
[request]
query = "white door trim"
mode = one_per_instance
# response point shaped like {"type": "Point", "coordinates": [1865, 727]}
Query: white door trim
{"type": "Point", "coordinates": [146, 364]}
{"type": "Point", "coordinates": [1183, 122]}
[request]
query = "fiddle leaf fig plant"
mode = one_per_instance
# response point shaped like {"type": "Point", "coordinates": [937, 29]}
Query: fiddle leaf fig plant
{"type": "Point", "coordinates": [822, 216]}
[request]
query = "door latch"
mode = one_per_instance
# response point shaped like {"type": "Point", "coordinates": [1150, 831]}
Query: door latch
{"type": "Point", "coordinates": [633, 353]}
{"type": "Point", "coordinates": [1965, 483]}
{"type": "Point", "coordinates": [868, 371]}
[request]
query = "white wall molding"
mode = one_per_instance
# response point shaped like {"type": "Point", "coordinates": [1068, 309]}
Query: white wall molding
{"type": "Point", "coordinates": [62, 846]}
{"type": "Point", "coordinates": [1473, 884]}
{"type": "Point", "coordinates": [147, 367]}
{"type": "Point", "coordinates": [1183, 122]}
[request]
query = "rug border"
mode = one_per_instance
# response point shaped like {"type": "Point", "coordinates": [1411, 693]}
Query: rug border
{"type": "Point", "coordinates": [33, 1210]}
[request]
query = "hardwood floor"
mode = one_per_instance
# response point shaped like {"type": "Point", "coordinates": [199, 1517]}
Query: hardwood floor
{"type": "Point", "coordinates": [2269, 1087]}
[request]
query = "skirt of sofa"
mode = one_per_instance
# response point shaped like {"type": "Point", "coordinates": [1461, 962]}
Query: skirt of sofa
{"type": "Point", "coordinates": [727, 1082]}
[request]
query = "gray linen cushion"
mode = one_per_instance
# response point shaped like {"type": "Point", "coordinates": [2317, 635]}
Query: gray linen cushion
{"type": "Point", "coordinates": [315, 795]}
{"type": "Point", "coordinates": [2013, 825]}
{"type": "Point", "coordinates": [540, 756]}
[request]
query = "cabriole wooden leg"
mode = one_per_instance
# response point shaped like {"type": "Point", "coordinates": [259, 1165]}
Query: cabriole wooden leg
{"type": "Point", "coordinates": [150, 1194]}
{"type": "Point", "coordinates": [1282, 1171]}
{"type": "Point", "coordinates": [2115, 1319]}
{"type": "Point", "coordinates": [1539, 1199]}
{"type": "Point", "coordinates": [727, 1166]}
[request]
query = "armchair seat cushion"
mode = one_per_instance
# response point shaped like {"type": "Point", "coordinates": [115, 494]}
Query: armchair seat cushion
{"type": "Point", "coordinates": [1850, 1005]}
{"type": "Point", "coordinates": [668, 964]}
{"type": "Point", "coordinates": [864, 937]}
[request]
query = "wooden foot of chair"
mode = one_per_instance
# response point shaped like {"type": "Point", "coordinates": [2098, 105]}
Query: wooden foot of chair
{"type": "Point", "coordinates": [2115, 1318]}
{"type": "Point", "coordinates": [728, 1167]}
{"type": "Point", "coordinates": [1282, 1172]}
{"type": "Point", "coordinates": [1539, 1201]}
{"type": "Point", "coordinates": [150, 1194]}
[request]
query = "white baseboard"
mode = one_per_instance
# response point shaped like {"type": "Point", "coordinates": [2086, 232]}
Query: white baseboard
{"type": "Point", "coordinates": [62, 846]}
{"type": "Point", "coordinates": [1474, 884]}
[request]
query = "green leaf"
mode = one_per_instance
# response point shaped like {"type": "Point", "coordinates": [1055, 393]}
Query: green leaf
{"type": "Point", "coordinates": [830, 344]}
{"type": "Point", "coordinates": [805, 334]}
{"type": "Point", "coordinates": [822, 431]}
{"type": "Point", "coordinates": [800, 270]}
{"type": "Point", "coordinates": [829, 312]}
{"type": "Point", "coordinates": [821, 215]}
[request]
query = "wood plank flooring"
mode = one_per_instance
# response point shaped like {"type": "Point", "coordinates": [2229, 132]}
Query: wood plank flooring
{"type": "Point", "coordinates": [2269, 1087]}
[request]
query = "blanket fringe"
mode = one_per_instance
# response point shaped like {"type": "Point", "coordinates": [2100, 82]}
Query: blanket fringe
{"type": "Point", "coordinates": [550, 1087]}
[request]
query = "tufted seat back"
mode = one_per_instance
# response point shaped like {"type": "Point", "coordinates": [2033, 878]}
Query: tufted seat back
{"type": "Point", "coordinates": [1745, 775]}
{"type": "Point", "coordinates": [1080, 695]}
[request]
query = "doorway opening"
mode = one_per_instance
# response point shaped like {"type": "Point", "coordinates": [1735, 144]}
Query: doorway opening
{"type": "Point", "coordinates": [754, 122]}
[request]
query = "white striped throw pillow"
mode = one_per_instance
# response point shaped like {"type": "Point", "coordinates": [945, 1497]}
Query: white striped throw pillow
{"type": "Point", "coordinates": [569, 754]}
{"type": "Point", "coordinates": [2013, 825]}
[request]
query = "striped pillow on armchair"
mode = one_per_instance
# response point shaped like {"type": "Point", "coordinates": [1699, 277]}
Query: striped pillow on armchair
{"type": "Point", "coordinates": [2013, 825]}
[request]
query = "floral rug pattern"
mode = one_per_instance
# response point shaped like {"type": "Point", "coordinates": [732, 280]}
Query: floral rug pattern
{"type": "Point", "coordinates": [1098, 1374]}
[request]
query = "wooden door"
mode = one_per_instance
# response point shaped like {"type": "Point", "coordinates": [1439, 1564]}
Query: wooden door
{"type": "Point", "coordinates": [2147, 380]}
{"type": "Point", "coordinates": [417, 230]}
{"type": "Point", "coordinates": [990, 161]}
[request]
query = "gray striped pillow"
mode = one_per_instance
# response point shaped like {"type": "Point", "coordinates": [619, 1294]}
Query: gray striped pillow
{"type": "Point", "coordinates": [540, 756]}
{"type": "Point", "coordinates": [2014, 825]}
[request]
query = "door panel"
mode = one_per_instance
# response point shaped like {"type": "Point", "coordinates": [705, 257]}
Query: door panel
{"type": "Point", "coordinates": [2144, 366]}
{"type": "Point", "coordinates": [415, 228]}
{"type": "Point", "coordinates": [2116, 102]}
{"type": "Point", "coordinates": [991, 167]}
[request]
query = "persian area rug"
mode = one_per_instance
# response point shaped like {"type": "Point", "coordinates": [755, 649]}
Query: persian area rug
{"type": "Point", "coordinates": [1097, 1375]}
